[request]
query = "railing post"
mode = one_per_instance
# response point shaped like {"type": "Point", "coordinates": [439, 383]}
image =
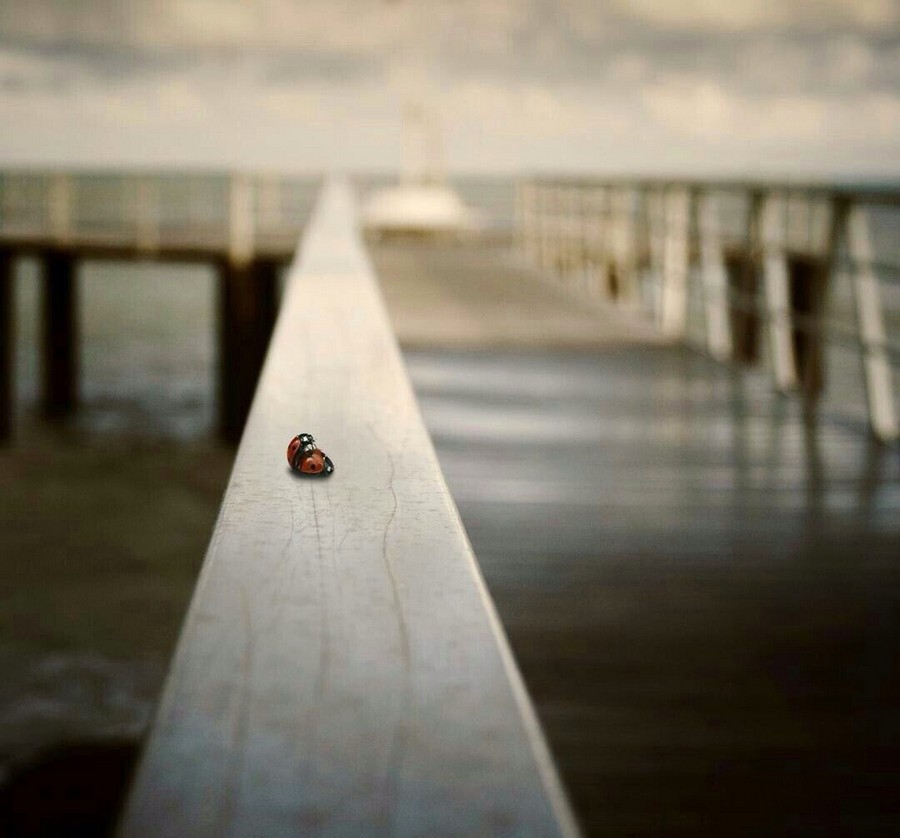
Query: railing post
{"type": "Point", "coordinates": [559, 231]}
{"type": "Point", "coordinates": [655, 205]}
{"type": "Point", "coordinates": [527, 226]}
{"type": "Point", "coordinates": [572, 247]}
{"type": "Point", "coordinates": [7, 342]}
{"type": "Point", "coordinates": [715, 279]}
{"type": "Point", "coordinates": [268, 216]}
{"type": "Point", "coordinates": [542, 237]}
{"type": "Point", "coordinates": [673, 309]}
{"type": "Point", "coordinates": [870, 322]}
{"type": "Point", "coordinates": [620, 278]}
{"type": "Point", "coordinates": [59, 208]}
{"type": "Point", "coordinates": [241, 220]}
{"type": "Point", "coordinates": [797, 221]}
{"type": "Point", "coordinates": [594, 232]}
{"type": "Point", "coordinates": [551, 229]}
{"type": "Point", "coordinates": [775, 284]}
{"type": "Point", "coordinates": [562, 232]}
{"type": "Point", "coordinates": [59, 334]}
{"type": "Point", "coordinates": [580, 225]}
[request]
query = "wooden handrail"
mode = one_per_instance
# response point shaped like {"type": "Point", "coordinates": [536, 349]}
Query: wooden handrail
{"type": "Point", "coordinates": [342, 669]}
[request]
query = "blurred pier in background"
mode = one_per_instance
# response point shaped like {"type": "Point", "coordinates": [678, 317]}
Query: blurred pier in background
{"type": "Point", "coordinates": [245, 226]}
{"type": "Point", "coordinates": [751, 273]}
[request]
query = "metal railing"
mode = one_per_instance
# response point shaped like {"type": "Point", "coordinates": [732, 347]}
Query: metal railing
{"type": "Point", "coordinates": [732, 265]}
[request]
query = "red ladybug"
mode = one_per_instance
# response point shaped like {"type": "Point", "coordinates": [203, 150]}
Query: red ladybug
{"type": "Point", "coordinates": [304, 456]}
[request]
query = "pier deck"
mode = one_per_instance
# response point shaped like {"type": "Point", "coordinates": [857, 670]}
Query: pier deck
{"type": "Point", "coordinates": [478, 296]}
{"type": "Point", "coordinates": [700, 588]}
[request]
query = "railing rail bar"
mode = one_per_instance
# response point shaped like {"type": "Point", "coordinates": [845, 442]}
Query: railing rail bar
{"type": "Point", "coordinates": [341, 670]}
{"type": "Point", "coordinates": [886, 194]}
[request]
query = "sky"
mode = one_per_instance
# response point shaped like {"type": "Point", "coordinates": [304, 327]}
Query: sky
{"type": "Point", "coordinates": [737, 87]}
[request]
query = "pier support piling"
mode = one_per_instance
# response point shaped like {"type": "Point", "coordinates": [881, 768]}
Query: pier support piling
{"type": "Point", "coordinates": [247, 309]}
{"type": "Point", "coordinates": [744, 316]}
{"type": "Point", "coordinates": [807, 279]}
{"type": "Point", "coordinates": [59, 334]}
{"type": "Point", "coordinates": [7, 344]}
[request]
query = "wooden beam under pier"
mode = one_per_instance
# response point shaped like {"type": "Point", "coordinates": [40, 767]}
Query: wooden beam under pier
{"type": "Point", "coordinates": [177, 246]}
{"type": "Point", "coordinates": [743, 285]}
{"type": "Point", "coordinates": [247, 310]}
{"type": "Point", "coordinates": [59, 334]}
{"type": "Point", "coordinates": [807, 278]}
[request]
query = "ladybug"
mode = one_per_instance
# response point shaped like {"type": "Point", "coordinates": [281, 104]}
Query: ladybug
{"type": "Point", "coordinates": [304, 456]}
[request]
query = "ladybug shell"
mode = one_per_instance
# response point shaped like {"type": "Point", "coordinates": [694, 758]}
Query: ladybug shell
{"type": "Point", "coordinates": [311, 461]}
{"type": "Point", "coordinates": [292, 449]}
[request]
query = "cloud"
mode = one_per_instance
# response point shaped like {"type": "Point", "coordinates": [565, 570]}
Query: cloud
{"type": "Point", "coordinates": [236, 25]}
{"type": "Point", "coordinates": [743, 16]}
{"type": "Point", "coordinates": [539, 83]}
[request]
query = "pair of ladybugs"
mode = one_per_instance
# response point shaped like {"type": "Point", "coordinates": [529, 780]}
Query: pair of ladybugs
{"type": "Point", "coordinates": [304, 456]}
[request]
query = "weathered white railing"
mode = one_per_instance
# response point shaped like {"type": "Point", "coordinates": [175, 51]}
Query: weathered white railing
{"type": "Point", "coordinates": [342, 670]}
{"type": "Point", "coordinates": [245, 225]}
{"type": "Point", "coordinates": [244, 214]}
{"type": "Point", "coordinates": [766, 260]}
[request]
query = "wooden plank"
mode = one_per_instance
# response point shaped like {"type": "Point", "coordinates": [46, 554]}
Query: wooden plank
{"type": "Point", "coordinates": [7, 343]}
{"type": "Point", "coordinates": [342, 670]}
{"type": "Point", "coordinates": [59, 334]}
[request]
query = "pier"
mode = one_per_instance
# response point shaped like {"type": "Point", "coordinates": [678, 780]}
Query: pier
{"type": "Point", "coordinates": [689, 545]}
{"type": "Point", "coordinates": [245, 226]}
{"type": "Point", "coordinates": [729, 266]}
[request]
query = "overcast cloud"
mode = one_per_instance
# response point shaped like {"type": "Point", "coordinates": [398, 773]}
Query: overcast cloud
{"type": "Point", "coordinates": [743, 86]}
